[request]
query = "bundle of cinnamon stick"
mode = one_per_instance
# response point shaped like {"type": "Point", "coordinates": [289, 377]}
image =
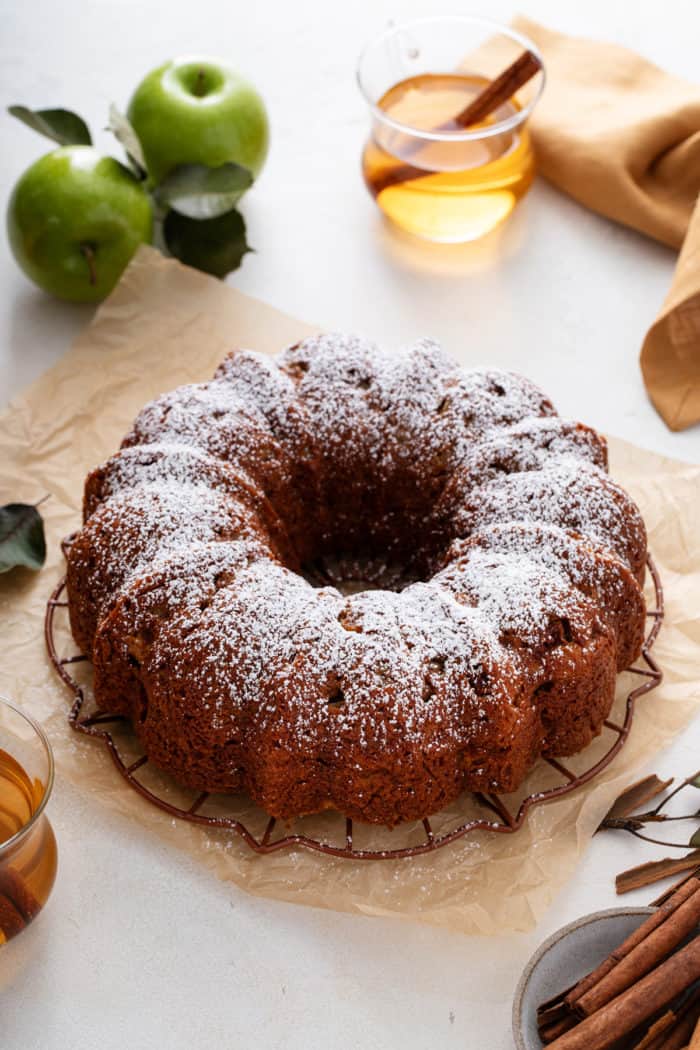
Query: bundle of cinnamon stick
{"type": "Point", "coordinates": [645, 995]}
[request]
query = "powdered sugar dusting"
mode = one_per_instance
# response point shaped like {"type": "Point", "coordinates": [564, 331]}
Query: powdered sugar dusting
{"type": "Point", "coordinates": [131, 528]}
{"type": "Point", "coordinates": [573, 495]}
{"type": "Point", "coordinates": [164, 464]}
{"type": "Point", "coordinates": [380, 703]}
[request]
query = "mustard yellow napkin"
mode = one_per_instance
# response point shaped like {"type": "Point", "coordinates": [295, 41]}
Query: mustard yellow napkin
{"type": "Point", "coordinates": [671, 351]}
{"type": "Point", "coordinates": [623, 137]}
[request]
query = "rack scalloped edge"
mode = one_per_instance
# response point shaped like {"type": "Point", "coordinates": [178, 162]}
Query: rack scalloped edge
{"type": "Point", "coordinates": [506, 823]}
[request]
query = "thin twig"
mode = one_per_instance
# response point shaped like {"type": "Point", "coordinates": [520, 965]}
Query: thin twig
{"type": "Point", "coordinates": [634, 822]}
{"type": "Point", "coordinates": [657, 842]}
{"type": "Point", "coordinates": [679, 787]}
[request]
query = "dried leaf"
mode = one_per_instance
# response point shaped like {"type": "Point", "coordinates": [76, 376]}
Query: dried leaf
{"type": "Point", "coordinates": [637, 795]}
{"type": "Point", "coordinates": [60, 125]}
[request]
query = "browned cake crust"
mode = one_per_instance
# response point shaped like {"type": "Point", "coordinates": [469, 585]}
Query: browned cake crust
{"type": "Point", "coordinates": [510, 570]}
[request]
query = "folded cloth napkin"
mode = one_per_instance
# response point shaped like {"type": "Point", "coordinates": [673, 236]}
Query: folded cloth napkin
{"type": "Point", "coordinates": [671, 351]}
{"type": "Point", "coordinates": [623, 137]}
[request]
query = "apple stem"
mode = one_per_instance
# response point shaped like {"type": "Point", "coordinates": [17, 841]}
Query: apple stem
{"type": "Point", "coordinates": [89, 254]}
{"type": "Point", "coordinates": [199, 87]}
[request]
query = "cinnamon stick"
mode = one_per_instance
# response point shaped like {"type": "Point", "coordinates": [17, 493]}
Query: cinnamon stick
{"type": "Point", "coordinates": [526, 66]}
{"type": "Point", "coordinates": [644, 956]}
{"type": "Point", "coordinates": [674, 1028]}
{"type": "Point", "coordinates": [635, 1005]}
{"type": "Point", "coordinates": [667, 894]}
{"type": "Point", "coordinates": [657, 1032]}
{"type": "Point", "coordinates": [679, 1036]}
{"type": "Point", "coordinates": [630, 943]}
{"type": "Point", "coordinates": [553, 1011]}
{"type": "Point", "coordinates": [694, 1043]}
{"type": "Point", "coordinates": [15, 889]}
{"type": "Point", "coordinates": [653, 871]}
{"type": "Point", "coordinates": [551, 1032]}
{"type": "Point", "coordinates": [11, 922]}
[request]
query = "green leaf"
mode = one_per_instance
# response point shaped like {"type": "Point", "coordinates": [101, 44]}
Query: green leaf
{"type": "Point", "coordinates": [21, 537]}
{"type": "Point", "coordinates": [64, 127]}
{"type": "Point", "coordinates": [200, 192]}
{"type": "Point", "coordinates": [216, 246]}
{"type": "Point", "coordinates": [125, 134]}
{"type": "Point", "coordinates": [695, 839]}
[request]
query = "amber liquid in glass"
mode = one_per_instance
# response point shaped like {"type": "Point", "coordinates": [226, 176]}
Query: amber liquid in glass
{"type": "Point", "coordinates": [28, 867]}
{"type": "Point", "coordinates": [450, 191]}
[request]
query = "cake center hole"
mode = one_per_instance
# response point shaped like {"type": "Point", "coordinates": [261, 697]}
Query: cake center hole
{"type": "Point", "coordinates": [353, 573]}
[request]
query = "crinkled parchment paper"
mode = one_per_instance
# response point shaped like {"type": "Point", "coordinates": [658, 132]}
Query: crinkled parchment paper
{"type": "Point", "coordinates": [165, 325]}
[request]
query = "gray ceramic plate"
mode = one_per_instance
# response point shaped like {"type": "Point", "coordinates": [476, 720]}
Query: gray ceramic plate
{"type": "Point", "coordinates": [565, 957]}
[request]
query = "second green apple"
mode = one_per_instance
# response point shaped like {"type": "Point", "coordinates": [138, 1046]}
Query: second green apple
{"type": "Point", "coordinates": [197, 111]}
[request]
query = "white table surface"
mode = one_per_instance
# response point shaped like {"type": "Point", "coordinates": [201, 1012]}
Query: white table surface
{"type": "Point", "coordinates": [139, 947]}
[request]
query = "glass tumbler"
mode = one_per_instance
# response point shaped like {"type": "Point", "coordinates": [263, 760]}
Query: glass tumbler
{"type": "Point", "coordinates": [28, 858]}
{"type": "Point", "coordinates": [429, 174]}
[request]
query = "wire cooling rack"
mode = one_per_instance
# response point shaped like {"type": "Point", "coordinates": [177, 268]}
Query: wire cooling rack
{"type": "Point", "coordinates": [488, 812]}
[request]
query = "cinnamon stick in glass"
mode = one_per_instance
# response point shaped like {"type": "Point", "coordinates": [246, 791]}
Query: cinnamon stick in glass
{"type": "Point", "coordinates": [11, 921]}
{"type": "Point", "coordinates": [526, 66]}
{"type": "Point", "coordinates": [500, 90]}
{"type": "Point", "coordinates": [14, 889]}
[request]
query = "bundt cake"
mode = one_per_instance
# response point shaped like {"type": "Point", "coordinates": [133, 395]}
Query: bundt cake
{"type": "Point", "coordinates": [214, 583]}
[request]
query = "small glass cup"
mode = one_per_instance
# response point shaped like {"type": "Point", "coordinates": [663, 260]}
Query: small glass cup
{"type": "Point", "coordinates": [428, 175]}
{"type": "Point", "coordinates": [28, 857]}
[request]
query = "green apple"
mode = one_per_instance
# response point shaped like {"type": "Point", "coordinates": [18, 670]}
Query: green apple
{"type": "Point", "coordinates": [74, 220]}
{"type": "Point", "coordinates": [198, 111]}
